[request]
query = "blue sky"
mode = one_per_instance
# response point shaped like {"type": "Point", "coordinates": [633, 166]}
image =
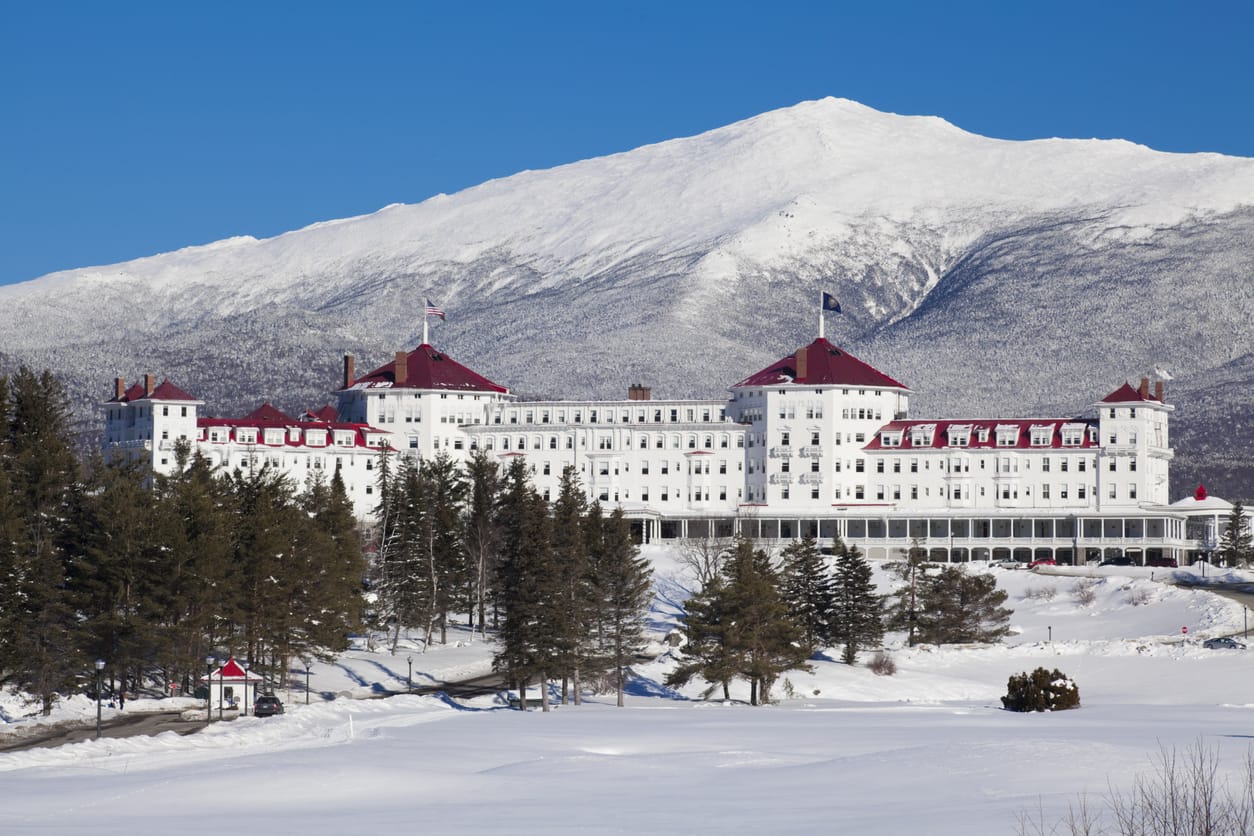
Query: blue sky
{"type": "Point", "coordinates": [128, 129]}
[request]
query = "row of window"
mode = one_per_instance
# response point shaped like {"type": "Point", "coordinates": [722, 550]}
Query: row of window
{"type": "Point", "coordinates": [643, 441]}
{"type": "Point", "coordinates": [596, 415]}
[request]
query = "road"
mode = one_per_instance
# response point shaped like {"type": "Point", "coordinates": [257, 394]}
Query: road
{"type": "Point", "coordinates": [153, 723]}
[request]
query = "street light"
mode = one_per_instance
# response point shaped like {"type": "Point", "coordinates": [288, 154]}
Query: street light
{"type": "Point", "coordinates": [209, 660]}
{"type": "Point", "coordinates": [222, 685]}
{"type": "Point", "coordinates": [411, 673]}
{"type": "Point", "coordinates": [306, 661]}
{"type": "Point", "coordinates": [100, 663]}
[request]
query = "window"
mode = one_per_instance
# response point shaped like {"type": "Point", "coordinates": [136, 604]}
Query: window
{"type": "Point", "coordinates": [546, 468]}
{"type": "Point", "coordinates": [1045, 491]}
{"type": "Point", "coordinates": [1111, 466]}
{"type": "Point", "coordinates": [859, 466]}
{"type": "Point", "coordinates": [1132, 490]}
{"type": "Point", "coordinates": [897, 466]}
{"type": "Point", "coordinates": [783, 439]}
{"type": "Point", "coordinates": [1045, 465]}
{"type": "Point", "coordinates": [1114, 492]}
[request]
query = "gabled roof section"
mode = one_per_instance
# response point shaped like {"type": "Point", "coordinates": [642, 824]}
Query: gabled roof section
{"type": "Point", "coordinates": [1127, 394]}
{"type": "Point", "coordinates": [327, 413]}
{"type": "Point", "coordinates": [426, 368]}
{"type": "Point", "coordinates": [266, 412]}
{"type": "Point", "coordinates": [167, 391]}
{"type": "Point", "coordinates": [821, 364]}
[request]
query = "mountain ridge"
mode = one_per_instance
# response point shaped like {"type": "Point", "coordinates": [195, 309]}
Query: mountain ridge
{"type": "Point", "coordinates": [990, 274]}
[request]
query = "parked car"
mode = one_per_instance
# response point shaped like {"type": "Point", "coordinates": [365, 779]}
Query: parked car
{"type": "Point", "coordinates": [1169, 562]}
{"type": "Point", "coordinates": [1223, 643]}
{"type": "Point", "coordinates": [1118, 561]}
{"type": "Point", "coordinates": [1044, 561]}
{"type": "Point", "coordinates": [1008, 564]}
{"type": "Point", "coordinates": [267, 705]}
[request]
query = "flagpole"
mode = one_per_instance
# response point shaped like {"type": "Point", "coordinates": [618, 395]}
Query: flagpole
{"type": "Point", "coordinates": [820, 314]}
{"type": "Point", "coordinates": [424, 325]}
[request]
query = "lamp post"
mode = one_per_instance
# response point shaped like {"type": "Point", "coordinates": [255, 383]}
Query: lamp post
{"type": "Point", "coordinates": [306, 661]}
{"type": "Point", "coordinates": [221, 686]}
{"type": "Point", "coordinates": [209, 660]}
{"type": "Point", "coordinates": [410, 680]}
{"type": "Point", "coordinates": [100, 663]}
{"type": "Point", "coordinates": [244, 710]}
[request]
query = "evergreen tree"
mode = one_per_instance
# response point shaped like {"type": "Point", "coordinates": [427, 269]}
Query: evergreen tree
{"type": "Point", "coordinates": [707, 650]}
{"type": "Point", "coordinates": [40, 651]}
{"type": "Point", "coordinates": [955, 607]}
{"type": "Point", "coordinates": [623, 582]}
{"type": "Point", "coordinates": [332, 593]}
{"type": "Point", "coordinates": [1236, 544]}
{"type": "Point", "coordinates": [857, 614]}
{"type": "Point", "coordinates": [529, 590]}
{"type": "Point", "coordinates": [570, 553]}
{"type": "Point", "coordinates": [480, 531]}
{"type": "Point", "coordinates": [904, 612]}
{"type": "Point", "coordinates": [449, 569]}
{"type": "Point", "coordinates": [764, 639]}
{"type": "Point", "coordinates": [806, 586]}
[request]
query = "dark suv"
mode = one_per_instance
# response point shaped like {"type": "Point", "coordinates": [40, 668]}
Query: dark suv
{"type": "Point", "coordinates": [267, 705]}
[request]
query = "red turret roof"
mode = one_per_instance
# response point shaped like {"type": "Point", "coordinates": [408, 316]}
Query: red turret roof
{"type": "Point", "coordinates": [1126, 394]}
{"type": "Point", "coordinates": [266, 412]}
{"type": "Point", "coordinates": [426, 368]}
{"type": "Point", "coordinates": [167, 391]}
{"type": "Point", "coordinates": [824, 365]}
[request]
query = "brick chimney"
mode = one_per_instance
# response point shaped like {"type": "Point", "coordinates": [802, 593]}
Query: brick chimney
{"type": "Point", "coordinates": [636, 392]}
{"type": "Point", "coordinates": [348, 370]}
{"type": "Point", "coordinates": [402, 371]}
{"type": "Point", "coordinates": [1144, 390]}
{"type": "Point", "coordinates": [149, 384]}
{"type": "Point", "coordinates": [1158, 391]}
{"type": "Point", "coordinates": [803, 358]}
{"type": "Point", "coordinates": [119, 388]}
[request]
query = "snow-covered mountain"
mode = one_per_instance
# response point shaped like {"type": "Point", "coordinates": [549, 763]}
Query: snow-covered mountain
{"type": "Point", "coordinates": [993, 277]}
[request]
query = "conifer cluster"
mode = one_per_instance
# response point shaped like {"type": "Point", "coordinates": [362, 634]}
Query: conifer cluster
{"type": "Point", "coordinates": [152, 574]}
{"type": "Point", "coordinates": [754, 621]}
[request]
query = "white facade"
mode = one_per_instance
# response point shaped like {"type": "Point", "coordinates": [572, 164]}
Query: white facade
{"type": "Point", "coordinates": [818, 443]}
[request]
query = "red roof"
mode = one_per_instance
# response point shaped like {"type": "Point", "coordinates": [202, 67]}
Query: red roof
{"type": "Point", "coordinates": [327, 413]}
{"type": "Point", "coordinates": [266, 412]}
{"type": "Point", "coordinates": [167, 391]}
{"type": "Point", "coordinates": [1126, 394]}
{"type": "Point", "coordinates": [1022, 428]}
{"type": "Point", "coordinates": [824, 365]}
{"type": "Point", "coordinates": [426, 368]}
{"type": "Point", "coordinates": [235, 424]}
{"type": "Point", "coordinates": [231, 670]}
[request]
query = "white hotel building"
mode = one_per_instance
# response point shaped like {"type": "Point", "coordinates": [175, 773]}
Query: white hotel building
{"type": "Point", "coordinates": [817, 443]}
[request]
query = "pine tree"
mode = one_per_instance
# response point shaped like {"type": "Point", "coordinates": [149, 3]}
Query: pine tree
{"type": "Point", "coordinates": [1236, 544]}
{"type": "Point", "coordinates": [40, 650]}
{"type": "Point", "coordinates": [529, 591]}
{"type": "Point", "coordinates": [332, 593]}
{"type": "Point", "coordinates": [857, 615]}
{"type": "Point", "coordinates": [764, 639]}
{"type": "Point", "coordinates": [707, 650]}
{"type": "Point", "coordinates": [450, 571]}
{"type": "Point", "coordinates": [570, 554]}
{"type": "Point", "coordinates": [956, 607]}
{"type": "Point", "coordinates": [806, 586]}
{"type": "Point", "coordinates": [480, 531]}
{"type": "Point", "coordinates": [623, 581]}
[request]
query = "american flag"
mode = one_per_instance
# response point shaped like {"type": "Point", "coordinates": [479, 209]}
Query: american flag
{"type": "Point", "coordinates": [432, 310]}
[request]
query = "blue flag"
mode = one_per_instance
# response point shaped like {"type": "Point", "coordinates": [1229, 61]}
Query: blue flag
{"type": "Point", "coordinates": [830, 303]}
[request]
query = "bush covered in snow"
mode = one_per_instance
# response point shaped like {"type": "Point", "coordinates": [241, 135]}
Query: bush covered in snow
{"type": "Point", "coordinates": [1041, 690]}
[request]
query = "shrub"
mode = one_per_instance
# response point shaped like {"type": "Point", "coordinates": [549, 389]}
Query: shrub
{"type": "Point", "coordinates": [882, 664]}
{"type": "Point", "coordinates": [1138, 595]}
{"type": "Point", "coordinates": [1039, 593]}
{"type": "Point", "coordinates": [1041, 690]}
{"type": "Point", "coordinates": [1085, 592]}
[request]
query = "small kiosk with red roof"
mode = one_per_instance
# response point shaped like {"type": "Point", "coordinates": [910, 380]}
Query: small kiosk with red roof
{"type": "Point", "coordinates": [231, 686]}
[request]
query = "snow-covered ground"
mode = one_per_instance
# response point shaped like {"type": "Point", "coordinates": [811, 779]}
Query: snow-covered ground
{"type": "Point", "coordinates": [928, 750]}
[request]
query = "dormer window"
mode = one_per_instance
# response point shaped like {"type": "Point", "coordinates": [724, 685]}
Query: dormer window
{"type": "Point", "coordinates": [890, 438]}
{"type": "Point", "coordinates": [921, 435]}
{"type": "Point", "coordinates": [1042, 435]}
{"type": "Point", "coordinates": [1007, 435]}
{"type": "Point", "coordinates": [1072, 435]}
{"type": "Point", "coordinates": [246, 436]}
{"type": "Point", "coordinates": [981, 435]}
{"type": "Point", "coordinates": [959, 435]}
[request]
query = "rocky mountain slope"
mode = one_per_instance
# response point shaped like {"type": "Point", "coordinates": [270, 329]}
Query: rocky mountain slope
{"type": "Point", "coordinates": [994, 277]}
